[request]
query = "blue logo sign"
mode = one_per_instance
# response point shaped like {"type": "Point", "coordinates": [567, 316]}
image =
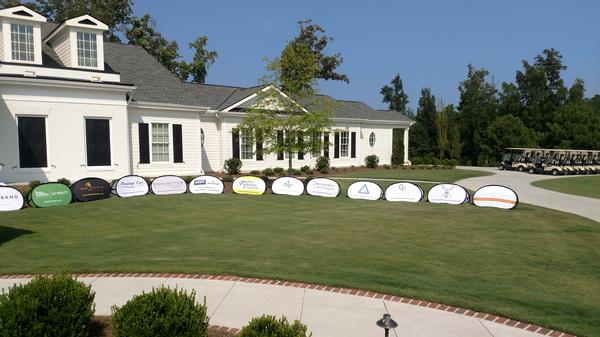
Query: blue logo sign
{"type": "Point", "coordinates": [364, 189]}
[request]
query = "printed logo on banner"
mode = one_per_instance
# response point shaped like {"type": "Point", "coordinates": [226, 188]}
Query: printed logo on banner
{"type": "Point", "coordinates": [288, 186]}
{"type": "Point", "coordinates": [323, 187]}
{"type": "Point", "coordinates": [50, 195]}
{"type": "Point", "coordinates": [11, 199]}
{"type": "Point", "coordinates": [206, 185]}
{"type": "Point", "coordinates": [407, 192]}
{"type": "Point", "coordinates": [496, 196]}
{"type": "Point", "coordinates": [448, 194]}
{"type": "Point", "coordinates": [249, 185]}
{"type": "Point", "coordinates": [365, 190]}
{"type": "Point", "coordinates": [90, 189]}
{"type": "Point", "coordinates": [167, 185]}
{"type": "Point", "coordinates": [131, 186]}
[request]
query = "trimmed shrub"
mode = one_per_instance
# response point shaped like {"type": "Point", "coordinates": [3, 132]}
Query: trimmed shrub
{"type": "Point", "coordinates": [296, 172]}
{"type": "Point", "coordinates": [162, 312]}
{"type": "Point", "coordinates": [278, 169]}
{"type": "Point", "coordinates": [227, 178]}
{"type": "Point", "coordinates": [371, 161]}
{"type": "Point", "coordinates": [64, 181]}
{"type": "Point", "coordinates": [268, 172]}
{"type": "Point", "coordinates": [34, 183]}
{"type": "Point", "coordinates": [386, 166]}
{"type": "Point", "coordinates": [255, 172]}
{"type": "Point", "coordinates": [309, 172]}
{"type": "Point", "coordinates": [322, 164]}
{"type": "Point", "coordinates": [305, 168]}
{"type": "Point", "coordinates": [270, 326]}
{"type": "Point", "coordinates": [57, 306]}
{"type": "Point", "coordinates": [233, 166]}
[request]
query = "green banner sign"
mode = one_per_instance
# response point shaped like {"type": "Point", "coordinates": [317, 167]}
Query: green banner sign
{"type": "Point", "coordinates": [50, 195]}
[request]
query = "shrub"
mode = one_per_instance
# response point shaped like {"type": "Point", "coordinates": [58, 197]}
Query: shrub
{"type": "Point", "coordinates": [296, 172]}
{"type": "Point", "coordinates": [371, 161]}
{"type": "Point", "coordinates": [233, 166]}
{"type": "Point", "coordinates": [309, 172]}
{"type": "Point", "coordinates": [386, 166]}
{"type": "Point", "coordinates": [324, 171]}
{"type": "Point", "coordinates": [305, 168]}
{"type": "Point", "coordinates": [227, 178]}
{"type": "Point", "coordinates": [278, 169]}
{"type": "Point", "coordinates": [255, 172]}
{"type": "Point", "coordinates": [64, 181]}
{"type": "Point", "coordinates": [322, 164]}
{"type": "Point", "coordinates": [270, 326]}
{"type": "Point", "coordinates": [162, 312]}
{"type": "Point", "coordinates": [268, 172]}
{"type": "Point", "coordinates": [34, 183]}
{"type": "Point", "coordinates": [57, 306]}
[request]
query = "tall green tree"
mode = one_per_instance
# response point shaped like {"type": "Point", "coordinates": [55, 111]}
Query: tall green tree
{"type": "Point", "coordinates": [442, 123]}
{"type": "Point", "coordinates": [197, 69]}
{"type": "Point", "coordinates": [423, 135]}
{"type": "Point", "coordinates": [394, 95]}
{"type": "Point", "coordinates": [505, 131]}
{"type": "Point", "coordinates": [454, 141]}
{"type": "Point", "coordinates": [280, 124]}
{"type": "Point", "coordinates": [478, 106]}
{"type": "Point", "coordinates": [313, 36]}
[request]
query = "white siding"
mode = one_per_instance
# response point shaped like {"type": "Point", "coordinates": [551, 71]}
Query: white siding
{"type": "Point", "coordinates": [212, 160]}
{"type": "Point", "coordinates": [1, 43]}
{"type": "Point", "coordinates": [190, 124]}
{"type": "Point", "coordinates": [383, 142]}
{"type": "Point", "coordinates": [62, 47]}
{"type": "Point", "coordinates": [65, 111]}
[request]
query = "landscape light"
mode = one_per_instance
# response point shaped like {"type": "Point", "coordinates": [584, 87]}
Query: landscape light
{"type": "Point", "coordinates": [387, 323]}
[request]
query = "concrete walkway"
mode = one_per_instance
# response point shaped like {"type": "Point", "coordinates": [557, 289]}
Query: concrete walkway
{"type": "Point", "coordinates": [328, 312]}
{"type": "Point", "coordinates": [521, 183]}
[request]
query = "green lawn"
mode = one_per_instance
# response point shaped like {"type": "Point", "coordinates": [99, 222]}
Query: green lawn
{"type": "Point", "coordinates": [588, 186]}
{"type": "Point", "coordinates": [530, 264]}
{"type": "Point", "coordinates": [443, 175]}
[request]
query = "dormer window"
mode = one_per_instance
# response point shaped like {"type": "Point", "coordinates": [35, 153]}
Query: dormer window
{"type": "Point", "coordinates": [22, 42]}
{"type": "Point", "coordinates": [87, 50]}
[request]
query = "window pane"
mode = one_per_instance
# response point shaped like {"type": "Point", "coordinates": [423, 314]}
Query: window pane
{"type": "Point", "coordinates": [32, 142]}
{"type": "Point", "coordinates": [160, 142]}
{"type": "Point", "coordinates": [21, 42]}
{"type": "Point", "coordinates": [98, 142]}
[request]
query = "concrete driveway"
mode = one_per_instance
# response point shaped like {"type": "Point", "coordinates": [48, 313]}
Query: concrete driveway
{"type": "Point", "coordinates": [521, 183]}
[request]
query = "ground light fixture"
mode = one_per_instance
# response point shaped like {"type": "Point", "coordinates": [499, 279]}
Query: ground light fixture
{"type": "Point", "coordinates": [387, 323]}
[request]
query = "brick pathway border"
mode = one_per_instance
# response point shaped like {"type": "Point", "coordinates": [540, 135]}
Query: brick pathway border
{"type": "Point", "coordinates": [437, 306]}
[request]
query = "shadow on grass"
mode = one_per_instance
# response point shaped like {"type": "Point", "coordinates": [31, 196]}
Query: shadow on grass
{"type": "Point", "coordinates": [10, 233]}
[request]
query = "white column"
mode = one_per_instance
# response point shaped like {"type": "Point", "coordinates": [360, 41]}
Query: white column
{"type": "Point", "coordinates": [406, 161]}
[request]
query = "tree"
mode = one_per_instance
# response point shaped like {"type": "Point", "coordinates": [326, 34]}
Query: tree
{"type": "Point", "coordinates": [313, 36]}
{"type": "Point", "coordinates": [423, 141]}
{"type": "Point", "coordinates": [477, 108]}
{"type": "Point", "coordinates": [277, 121]}
{"type": "Point", "coordinates": [505, 131]}
{"type": "Point", "coordinates": [576, 92]}
{"type": "Point", "coordinates": [454, 142]}
{"type": "Point", "coordinates": [442, 126]}
{"type": "Point", "coordinates": [510, 100]}
{"type": "Point", "coordinates": [394, 95]}
{"type": "Point", "coordinates": [198, 68]}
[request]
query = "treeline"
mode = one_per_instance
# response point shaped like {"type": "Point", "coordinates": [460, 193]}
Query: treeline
{"type": "Point", "coordinates": [537, 110]}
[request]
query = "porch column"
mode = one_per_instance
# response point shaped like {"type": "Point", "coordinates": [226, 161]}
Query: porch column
{"type": "Point", "coordinates": [406, 161]}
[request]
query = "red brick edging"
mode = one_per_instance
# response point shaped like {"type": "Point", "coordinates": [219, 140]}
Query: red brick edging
{"type": "Point", "coordinates": [437, 306]}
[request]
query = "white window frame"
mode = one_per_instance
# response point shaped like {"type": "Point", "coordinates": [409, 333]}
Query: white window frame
{"type": "Point", "coordinates": [169, 144]}
{"type": "Point", "coordinates": [93, 40]}
{"type": "Point", "coordinates": [48, 167]}
{"type": "Point", "coordinates": [246, 146]}
{"type": "Point", "coordinates": [346, 144]}
{"type": "Point", "coordinates": [372, 141]}
{"type": "Point", "coordinates": [26, 43]}
{"type": "Point", "coordinates": [110, 135]}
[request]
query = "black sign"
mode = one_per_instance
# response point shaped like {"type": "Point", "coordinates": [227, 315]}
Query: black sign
{"type": "Point", "coordinates": [90, 189]}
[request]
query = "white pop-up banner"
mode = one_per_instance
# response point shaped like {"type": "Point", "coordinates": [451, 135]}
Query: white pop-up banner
{"type": "Point", "coordinates": [323, 187]}
{"type": "Point", "coordinates": [206, 185]}
{"type": "Point", "coordinates": [496, 196]}
{"type": "Point", "coordinates": [404, 191]}
{"type": "Point", "coordinates": [131, 186]}
{"type": "Point", "coordinates": [167, 185]}
{"type": "Point", "coordinates": [365, 190]}
{"type": "Point", "coordinates": [448, 194]}
{"type": "Point", "coordinates": [11, 199]}
{"type": "Point", "coordinates": [249, 185]}
{"type": "Point", "coordinates": [288, 186]}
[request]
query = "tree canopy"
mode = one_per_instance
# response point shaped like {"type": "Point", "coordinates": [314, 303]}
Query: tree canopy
{"type": "Point", "coordinates": [394, 95]}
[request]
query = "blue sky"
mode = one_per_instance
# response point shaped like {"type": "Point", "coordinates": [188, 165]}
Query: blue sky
{"type": "Point", "coordinates": [428, 42]}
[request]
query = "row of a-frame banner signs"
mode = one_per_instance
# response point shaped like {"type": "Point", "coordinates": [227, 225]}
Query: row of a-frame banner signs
{"type": "Point", "coordinates": [91, 189]}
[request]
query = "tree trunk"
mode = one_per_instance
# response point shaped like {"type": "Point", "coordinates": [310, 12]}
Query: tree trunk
{"type": "Point", "coordinates": [290, 163]}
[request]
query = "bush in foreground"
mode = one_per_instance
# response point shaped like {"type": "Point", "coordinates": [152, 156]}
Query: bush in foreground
{"type": "Point", "coordinates": [371, 161]}
{"type": "Point", "coordinates": [270, 326]}
{"type": "Point", "coordinates": [162, 312]}
{"type": "Point", "coordinates": [233, 166]}
{"type": "Point", "coordinates": [56, 306]}
{"type": "Point", "coordinates": [322, 164]}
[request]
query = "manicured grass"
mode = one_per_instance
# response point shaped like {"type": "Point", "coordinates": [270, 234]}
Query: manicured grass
{"type": "Point", "coordinates": [443, 175]}
{"type": "Point", "coordinates": [530, 264]}
{"type": "Point", "coordinates": [588, 186]}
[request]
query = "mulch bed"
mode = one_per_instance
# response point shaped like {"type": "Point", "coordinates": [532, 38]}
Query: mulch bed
{"type": "Point", "coordinates": [102, 327]}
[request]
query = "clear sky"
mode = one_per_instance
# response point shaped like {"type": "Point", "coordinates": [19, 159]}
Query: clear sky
{"type": "Point", "coordinates": [429, 43]}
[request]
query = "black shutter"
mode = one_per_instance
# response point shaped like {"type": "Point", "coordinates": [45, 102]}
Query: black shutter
{"type": "Point", "coordinates": [235, 143]}
{"type": "Point", "coordinates": [97, 137]}
{"type": "Point", "coordinates": [259, 145]}
{"type": "Point", "coordinates": [177, 144]}
{"type": "Point", "coordinates": [280, 144]}
{"type": "Point", "coordinates": [300, 143]}
{"type": "Point", "coordinates": [353, 145]}
{"type": "Point", "coordinates": [32, 142]}
{"type": "Point", "coordinates": [326, 145]}
{"type": "Point", "coordinates": [336, 145]}
{"type": "Point", "coordinates": [143, 143]}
